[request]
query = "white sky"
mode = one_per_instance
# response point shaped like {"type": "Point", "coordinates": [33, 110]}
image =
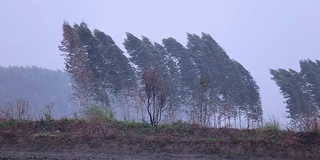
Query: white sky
{"type": "Point", "coordinates": [260, 34]}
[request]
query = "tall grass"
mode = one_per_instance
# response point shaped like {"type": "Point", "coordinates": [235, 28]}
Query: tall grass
{"type": "Point", "coordinates": [272, 129]}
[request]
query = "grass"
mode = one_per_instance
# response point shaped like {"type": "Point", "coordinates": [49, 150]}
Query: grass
{"type": "Point", "coordinates": [9, 123]}
{"type": "Point", "coordinates": [178, 128]}
{"type": "Point", "coordinates": [135, 127]}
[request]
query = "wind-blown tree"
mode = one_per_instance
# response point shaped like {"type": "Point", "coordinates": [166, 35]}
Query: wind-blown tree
{"type": "Point", "coordinates": [248, 97]}
{"type": "Point", "coordinates": [76, 64]}
{"type": "Point", "coordinates": [299, 90]}
{"type": "Point", "coordinates": [168, 71]}
{"type": "Point", "coordinates": [96, 62]}
{"type": "Point", "coordinates": [198, 51]}
{"type": "Point", "coordinates": [120, 78]}
{"type": "Point", "coordinates": [226, 79]}
{"type": "Point", "coordinates": [201, 76]}
{"type": "Point", "coordinates": [159, 58]}
{"type": "Point", "coordinates": [141, 56]}
{"type": "Point", "coordinates": [311, 73]}
{"type": "Point", "coordinates": [171, 77]}
{"type": "Point", "coordinates": [222, 73]}
{"type": "Point", "coordinates": [187, 72]}
{"type": "Point", "coordinates": [119, 74]}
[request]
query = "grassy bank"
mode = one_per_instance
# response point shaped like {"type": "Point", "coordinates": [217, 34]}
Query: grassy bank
{"type": "Point", "coordinates": [180, 137]}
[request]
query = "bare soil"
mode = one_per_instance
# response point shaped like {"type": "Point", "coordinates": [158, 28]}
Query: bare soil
{"type": "Point", "coordinates": [71, 154]}
{"type": "Point", "coordinates": [92, 154]}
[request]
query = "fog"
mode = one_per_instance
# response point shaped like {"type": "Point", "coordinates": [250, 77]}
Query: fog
{"type": "Point", "coordinates": [261, 35]}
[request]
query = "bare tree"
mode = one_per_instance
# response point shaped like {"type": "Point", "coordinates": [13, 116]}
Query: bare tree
{"type": "Point", "coordinates": [154, 95]}
{"type": "Point", "coordinates": [22, 108]}
{"type": "Point", "coordinates": [201, 110]}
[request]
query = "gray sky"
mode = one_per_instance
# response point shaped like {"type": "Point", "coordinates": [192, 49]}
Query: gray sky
{"type": "Point", "coordinates": [260, 34]}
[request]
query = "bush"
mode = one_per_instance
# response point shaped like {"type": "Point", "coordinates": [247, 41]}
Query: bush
{"type": "Point", "coordinates": [99, 112]}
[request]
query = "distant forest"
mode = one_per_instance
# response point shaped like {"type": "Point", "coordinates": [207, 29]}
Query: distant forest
{"type": "Point", "coordinates": [38, 87]}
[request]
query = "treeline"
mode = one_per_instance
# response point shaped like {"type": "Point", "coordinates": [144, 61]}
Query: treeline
{"type": "Point", "coordinates": [34, 88]}
{"type": "Point", "coordinates": [302, 93]}
{"type": "Point", "coordinates": [196, 82]}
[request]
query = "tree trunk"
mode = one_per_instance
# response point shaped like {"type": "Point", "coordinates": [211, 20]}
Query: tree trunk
{"type": "Point", "coordinates": [239, 119]}
{"type": "Point", "coordinates": [248, 118]}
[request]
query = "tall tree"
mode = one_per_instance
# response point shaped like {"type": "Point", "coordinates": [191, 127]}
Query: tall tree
{"type": "Point", "coordinates": [141, 56]}
{"type": "Point", "coordinates": [229, 82]}
{"type": "Point", "coordinates": [205, 104]}
{"type": "Point", "coordinates": [119, 74]}
{"type": "Point", "coordinates": [295, 89]}
{"type": "Point", "coordinates": [76, 64]}
{"type": "Point", "coordinates": [248, 97]}
{"type": "Point", "coordinates": [96, 62]}
{"type": "Point", "coordinates": [187, 72]}
{"type": "Point", "coordinates": [311, 73]}
{"type": "Point", "coordinates": [171, 76]}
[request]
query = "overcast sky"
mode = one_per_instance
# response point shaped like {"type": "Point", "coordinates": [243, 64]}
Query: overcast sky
{"type": "Point", "coordinates": [260, 34]}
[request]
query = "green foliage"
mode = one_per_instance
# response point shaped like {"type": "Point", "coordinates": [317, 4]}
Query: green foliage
{"type": "Point", "coordinates": [119, 73]}
{"type": "Point", "coordinates": [229, 83]}
{"type": "Point", "coordinates": [178, 128]}
{"type": "Point", "coordinates": [9, 123]}
{"type": "Point", "coordinates": [301, 91]}
{"type": "Point", "coordinates": [141, 54]}
{"type": "Point", "coordinates": [188, 75]}
{"type": "Point", "coordinates": [99, 112]}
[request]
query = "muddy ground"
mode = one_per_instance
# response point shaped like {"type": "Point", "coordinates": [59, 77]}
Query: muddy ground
{"type": "Point", "coordinates": [69, 154]}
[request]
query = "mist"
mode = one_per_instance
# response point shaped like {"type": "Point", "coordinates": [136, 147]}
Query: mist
{"type": "Point", "coordinates": [260, 35]}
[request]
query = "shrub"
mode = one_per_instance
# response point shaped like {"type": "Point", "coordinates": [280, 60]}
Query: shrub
{"type": "Point", "coordinates": [99, 112]}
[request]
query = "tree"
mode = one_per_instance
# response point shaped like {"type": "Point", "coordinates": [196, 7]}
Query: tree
{"type": "Point", "coordinates": [36, 87]}
{"type": "Point", "coordinates": [141, 56]}
{"type": "Point", "coordinates": [248, 97]}
{"type": "Point", "coordinates": [300, 91]}
{"type": "Point", "coordinates": [96, 63]}
{"type": "Point", "coordinates": [229, 83]}
{"type": "Point", "coordinates": [201, 109]}
{"type": "Point", "coordinates": [76, 64]}
{"type": "Point", "coordinates": [311, 73]}
{"type": "Point", "coordinates": [187, 72]}
{"type": "Point", "coordinates": [154, 95]}
{"type": "Point", "coordinates": [119, 74]}
{"type": "Point", "coordinates": [171, 76]}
